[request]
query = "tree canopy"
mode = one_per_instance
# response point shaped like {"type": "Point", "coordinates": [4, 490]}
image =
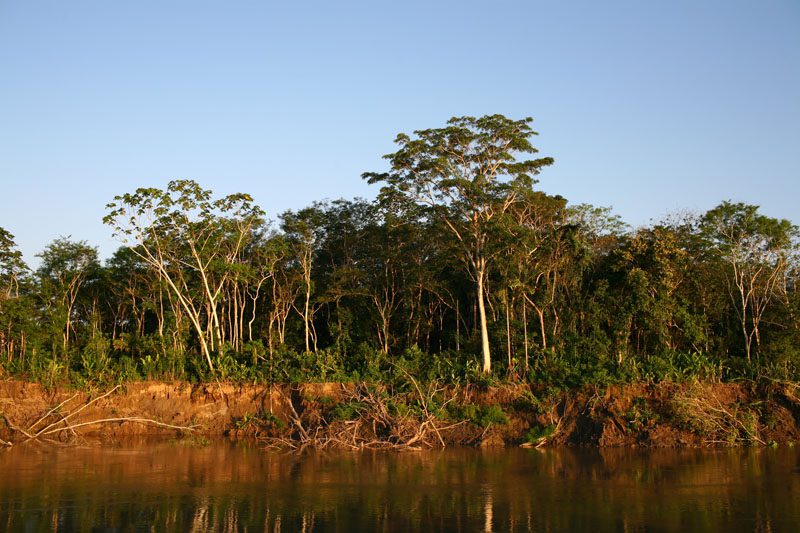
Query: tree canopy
{"type": "Point", "coordinates": [468, 175]}
{"type": "Point", "coordinates": [459, 264]}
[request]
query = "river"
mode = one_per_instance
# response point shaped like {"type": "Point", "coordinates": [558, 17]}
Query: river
{"type": "Point", "coordinates": [222, 486]}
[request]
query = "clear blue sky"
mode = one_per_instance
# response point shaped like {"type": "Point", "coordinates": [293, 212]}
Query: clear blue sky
{"type": "Point", "coordinates": [648, 107]}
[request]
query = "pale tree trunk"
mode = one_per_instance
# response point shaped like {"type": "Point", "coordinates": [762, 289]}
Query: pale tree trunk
{"type": "Point", "coordinates": [743, 296]}
{"type": "Point", "coordinates": [540, 312]}
{"type": "Point", "coordinates": [69, 302]}
{"type": "Point", "coordinates": [307, 303]}
{"type": "Point", "coordinates": [305, 319]}
{"type": "Point", "coordinates": [487, 358]}
{"type": "Point", "coordinates": [385, 305]}
{"type": "Point", "coordinates": [193, 313]}
{"type": "Point", "coordinates": [385, 334]}
{"type": "Point", "coordinates": [458, 328]}
{"type": "Point", "coordinates": [525, 331]}
{"type": "Point", "coordinates": [254, 299]}
{"type": "Point", "coordinates": [241, 319]}
{"type": "Point", "coordinates": [161, 316]}
{"type": "Point", "coordinates": [313, 331]}
{"type": "Point", "coordinates": [508, 329]}
{"type": "Point", "coordinates": [214, 327]}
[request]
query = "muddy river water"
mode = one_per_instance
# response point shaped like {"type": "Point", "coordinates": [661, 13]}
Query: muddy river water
{"type": "Point", "coordinates": [220, 486]}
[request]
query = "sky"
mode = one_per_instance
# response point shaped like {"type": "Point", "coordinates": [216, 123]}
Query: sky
{"type": "Point", "coordinates": [647, 107]}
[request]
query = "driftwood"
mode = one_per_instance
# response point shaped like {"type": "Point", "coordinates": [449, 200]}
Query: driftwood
{"type": "Point", "coordinates": [719, 424]}
{"type": "Point", "coordinates": [55, 423]}
{"type": "Point", "coordinates": [375, 425]}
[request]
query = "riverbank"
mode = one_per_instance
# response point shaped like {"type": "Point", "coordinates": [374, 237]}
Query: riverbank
{"type": "Point", "coordinates": [362, 416]}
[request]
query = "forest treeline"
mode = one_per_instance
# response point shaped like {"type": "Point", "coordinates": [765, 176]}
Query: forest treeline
{"type": "Point", "coordinates": [459, 269]}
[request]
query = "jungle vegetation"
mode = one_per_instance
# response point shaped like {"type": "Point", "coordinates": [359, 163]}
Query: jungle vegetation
{"type": "Point", "coordinates": [459, 270]}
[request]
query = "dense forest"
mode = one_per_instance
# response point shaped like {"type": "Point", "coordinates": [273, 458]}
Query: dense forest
{"type": "Point", "coordinates": [459, 270]}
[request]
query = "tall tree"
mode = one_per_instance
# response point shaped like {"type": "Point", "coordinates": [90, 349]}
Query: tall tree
{"type": "Point", "coordinates": [757, 250]}
{"type": "Point", "coordinates": [12, 271]}
{"type": "Point", "coordinates": [342, 259]}
{"type": "Point", "coordinates": [66, 265]}
{"type": "Point", "coordinates": [534, 256]}
{"type": "Point", "coordinates": [468, 173]}
{"type": "Point", "coordinates": [304, 231]}
{"type": "Point", "coordinates": [190, 240]}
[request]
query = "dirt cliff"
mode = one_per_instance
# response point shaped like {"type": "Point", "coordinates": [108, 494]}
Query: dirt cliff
{"type": "Point", "coordinates": [650, 415]}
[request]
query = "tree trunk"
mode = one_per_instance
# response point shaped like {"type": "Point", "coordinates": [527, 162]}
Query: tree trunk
{"type": "Point", "coordinates": [458, 328]}
{"type": "Point", "coordinates": [525, 330]}
{"type": "Point", "coordinates": [508, 330]}
{"type": "Point", "coordinates": [305, 318]}
{"type": "Point", "coordinates": [487, 358]}
{"type": "Point", "coordinates": [307, 279]}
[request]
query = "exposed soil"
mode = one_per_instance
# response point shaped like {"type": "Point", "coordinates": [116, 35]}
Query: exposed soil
{"type": "Point", "coordinates": [660, 415]}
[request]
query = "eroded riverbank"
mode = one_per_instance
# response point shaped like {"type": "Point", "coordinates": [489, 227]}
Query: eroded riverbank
{"type": "Point", "coordinates": [351, 416]}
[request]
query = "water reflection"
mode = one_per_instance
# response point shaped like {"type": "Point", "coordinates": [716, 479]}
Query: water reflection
{"type": "Point", "coordinates": [222, 487]}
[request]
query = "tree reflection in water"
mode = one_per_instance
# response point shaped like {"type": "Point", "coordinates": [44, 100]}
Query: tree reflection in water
{"type": "Point", "coordinates": [223, 487]}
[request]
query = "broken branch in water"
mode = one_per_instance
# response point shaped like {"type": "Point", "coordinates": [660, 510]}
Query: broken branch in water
{"type": "Point", "coordinates": [120, 419]}
{"type": "Point", "coordinates": [373, 418]}
{"type": "Point", "coordinates": [62, 418]}
{"type": "Point", "coordinates": [51, 411]}
{"type": "Point", "coordinates": [63, 424]}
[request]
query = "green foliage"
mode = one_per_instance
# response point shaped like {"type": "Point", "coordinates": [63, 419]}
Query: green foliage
{"type": "Point", "coordinates": [150, 366]}
{"type": "Point", "coordinates": [480, 415]}
{"type": "Point", "coordinates": [323, 366]}
{"type": "Point", "coordinates": [95, 358]}
{"type": "Point", "coordinates": [354, 290]}
{"type": "Point", "coordinates": [641, 414]}
{"type": "Point", "coordinates": [48, 372]}
{"type": "Point", "coordinates": [126, 370]}
{"type": "Point", "coordinates": [681, 367]}
{"type": "Point", "coordinates": [256, 351]}
{"type": "Point", "coordinates": [539, 433]}
{"type": "Point", "coordinates": [529, 403]}
{"type": "Point", "coordinates": [782, 361]}
{"type": "Point", "coordinates": [259, 421]}
{"type": "Point", "coordinates": [347, 411]}
{"type": "Point", "coordinates": [368, 364]}
{"type": "Point", "coordinates": [235, 367]}
{"type": "Point", "coordinates": [448, 367]}
{"type": "Point", "coordinates": [574, 369]}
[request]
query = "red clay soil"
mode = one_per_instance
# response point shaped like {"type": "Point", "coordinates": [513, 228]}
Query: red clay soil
{"type": "Point", "coordinates": [649, 415]}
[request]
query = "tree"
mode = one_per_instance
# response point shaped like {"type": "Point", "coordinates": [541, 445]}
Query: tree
{"type": "Point", "coordinates": [468, 173]}
{"type": "Point", "coordinates": [533, 258]}
{"type": "Point", "coordinates": [304, 231]}
{"type": "Point", "coordinates": [341, 270]}
{"type": "Point", "coordinates": [65, 267]}
{"type": "Point", "coordinates": [190, 240]}
{"type": "Point", "coordinates": [12, 272]}
{"type": "Point", "coordinates": [11, 265]}
{"type": "Point", "coordinates": [757, 250]}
